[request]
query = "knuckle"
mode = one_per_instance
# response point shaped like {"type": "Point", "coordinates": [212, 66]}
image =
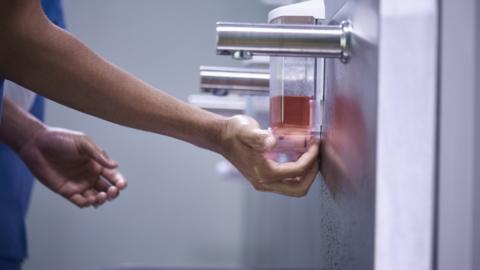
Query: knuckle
{"type": "Point", "coordinates": [81, 205]}
{"type": "Point", "coordinates": [300, 193]}
{"type": "Point", "coordinates": [64, 193]}
{"type": "Point", "coordinates": [303, 193]}
{"type": "Point", "coordinates": [258, 187]}
{"type": "Point", "coordinates": [259, 139]}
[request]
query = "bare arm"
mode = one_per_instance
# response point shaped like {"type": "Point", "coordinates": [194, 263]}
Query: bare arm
{"type": "Point", "coordinates": [38, 55]}
{"type": "Point", "coordinates": [42, 56]}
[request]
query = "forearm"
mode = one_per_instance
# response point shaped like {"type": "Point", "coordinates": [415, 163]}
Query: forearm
{"type": "Point", "coordinates": [17, 127]}
{"type": "Point", "coordinates": [58, 66]}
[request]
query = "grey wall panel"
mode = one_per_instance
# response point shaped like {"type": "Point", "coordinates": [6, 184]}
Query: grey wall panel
{"type": "Point", "coordinates": [476, 250]}
{"type": "Point", "coordinates": [333, 227]}
{"type": "Point", "coordinates": [349, 149]}
{"type": "Point", "coordinates": [457, 136]}
{"type": "Point", "coordinates": [284, 232]}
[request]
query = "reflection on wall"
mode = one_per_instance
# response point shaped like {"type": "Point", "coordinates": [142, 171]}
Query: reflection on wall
{"type": "Point", "coordinates": [343, 149]}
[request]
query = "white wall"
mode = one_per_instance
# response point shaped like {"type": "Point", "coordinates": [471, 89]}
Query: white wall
{"type": "Point", "coordinates": [176, 211]}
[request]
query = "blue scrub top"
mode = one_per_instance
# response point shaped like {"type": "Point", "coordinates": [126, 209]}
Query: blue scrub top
{"type": "Point", "coordinates": [16, 181]}
{"type": "Point", "coordinates": [1, 98]}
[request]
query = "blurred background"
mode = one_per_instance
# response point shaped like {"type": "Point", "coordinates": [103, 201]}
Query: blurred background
{"type": "Point", "coordinates": [177, 211]}
{"type": "Point", "coordinates": [410, 86]}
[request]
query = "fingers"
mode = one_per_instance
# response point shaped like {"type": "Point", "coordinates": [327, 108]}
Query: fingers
{"type": "Point", "coordinates": [94, 197]}
{"type": "Point", "coordinates": [89, 148]}
{"type": "Point", "coordinates": [110, 183]}
{"type": "Point", "coordinates": [279, 172]}
{"type": "Point", "coordinates": [295, 188]}
{"type": "Point", "coordinates": [292, 178]}
{"type": "Point", "coordinates": [105, 185]}
{"type": "Point", "coordinates": [109, 180]}
{"type": "Point", "coordinates": [89, 198]}
{"type": "Point", "coordinates": [115, 178]}
{"type": "Point", "coordinates": [260, 187]}
{"type": "Point", "coordinates": [112, 176]}
{"type": "Point", "coordinates": [112, 191]}
{"type": "Point", "coordinates": [79, 200]}
{"type": "Point", "coordinates": [101, 198]}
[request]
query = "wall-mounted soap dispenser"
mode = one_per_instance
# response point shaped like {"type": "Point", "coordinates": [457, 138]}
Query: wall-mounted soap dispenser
{"type": "Point", "coordinates": [297, 44]}
{"type": "Point", "coordinates": [296, 87]}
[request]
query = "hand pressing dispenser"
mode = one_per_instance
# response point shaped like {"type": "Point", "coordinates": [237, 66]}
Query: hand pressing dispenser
{"type": "Point", "coordinates": [297, 44]}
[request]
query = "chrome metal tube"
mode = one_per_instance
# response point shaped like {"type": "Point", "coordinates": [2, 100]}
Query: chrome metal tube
{"type": "Point", "coordinates": [284, 40]}
{"type": "Point", "coordinates": [230, 105]}
{"type": "Point", "coordinates": [221, 80]}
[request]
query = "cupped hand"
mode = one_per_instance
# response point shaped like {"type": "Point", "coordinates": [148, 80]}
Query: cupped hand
{"type": "Point", "coordinates": [246, 146]}
{"type": "Point", "coordinates": [70, 164]}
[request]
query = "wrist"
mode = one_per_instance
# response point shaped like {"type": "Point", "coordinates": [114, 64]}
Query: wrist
{"type": "Point", "coordinates": [28, 135]}
{"type": "Point", "coordinates": [226, 136]}
{"type": "Point", "coordinates": [219, 134]}
{"type": "Point", "coordinates": [18, 128]}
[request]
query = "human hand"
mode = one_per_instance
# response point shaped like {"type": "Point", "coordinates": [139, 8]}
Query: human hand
{"type": "Point", "coordinates": [246, 146]}
{"type": "Point", "coordinates": [70, 164]}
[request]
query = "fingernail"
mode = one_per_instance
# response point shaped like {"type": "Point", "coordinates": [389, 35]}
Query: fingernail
{"type": "Point", "coordinates": [121, 183]}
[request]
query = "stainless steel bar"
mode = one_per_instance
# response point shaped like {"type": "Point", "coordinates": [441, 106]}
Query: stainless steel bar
{"type": "Point", "coordinates": [230, 105]}
{"type": "Point", "coordinates": [221, 80]}
{"type": "Point", "coordinates": [284, 40]}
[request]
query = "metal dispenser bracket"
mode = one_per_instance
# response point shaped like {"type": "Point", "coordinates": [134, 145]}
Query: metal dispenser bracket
{"type": "Point", "coordinates": [222, 80]}
{"type": "Point", "coordinates": [244, 40]}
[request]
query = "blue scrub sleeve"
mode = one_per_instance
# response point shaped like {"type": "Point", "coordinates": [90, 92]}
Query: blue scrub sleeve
{"type": "Point", "coordinates": [1, 99]}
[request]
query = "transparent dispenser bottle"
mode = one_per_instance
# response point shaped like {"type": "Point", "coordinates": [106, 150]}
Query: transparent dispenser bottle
{"type": "Point", "coordinates": [296, 89]}
{"type": "Point", "coordinates": [293, 105]}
